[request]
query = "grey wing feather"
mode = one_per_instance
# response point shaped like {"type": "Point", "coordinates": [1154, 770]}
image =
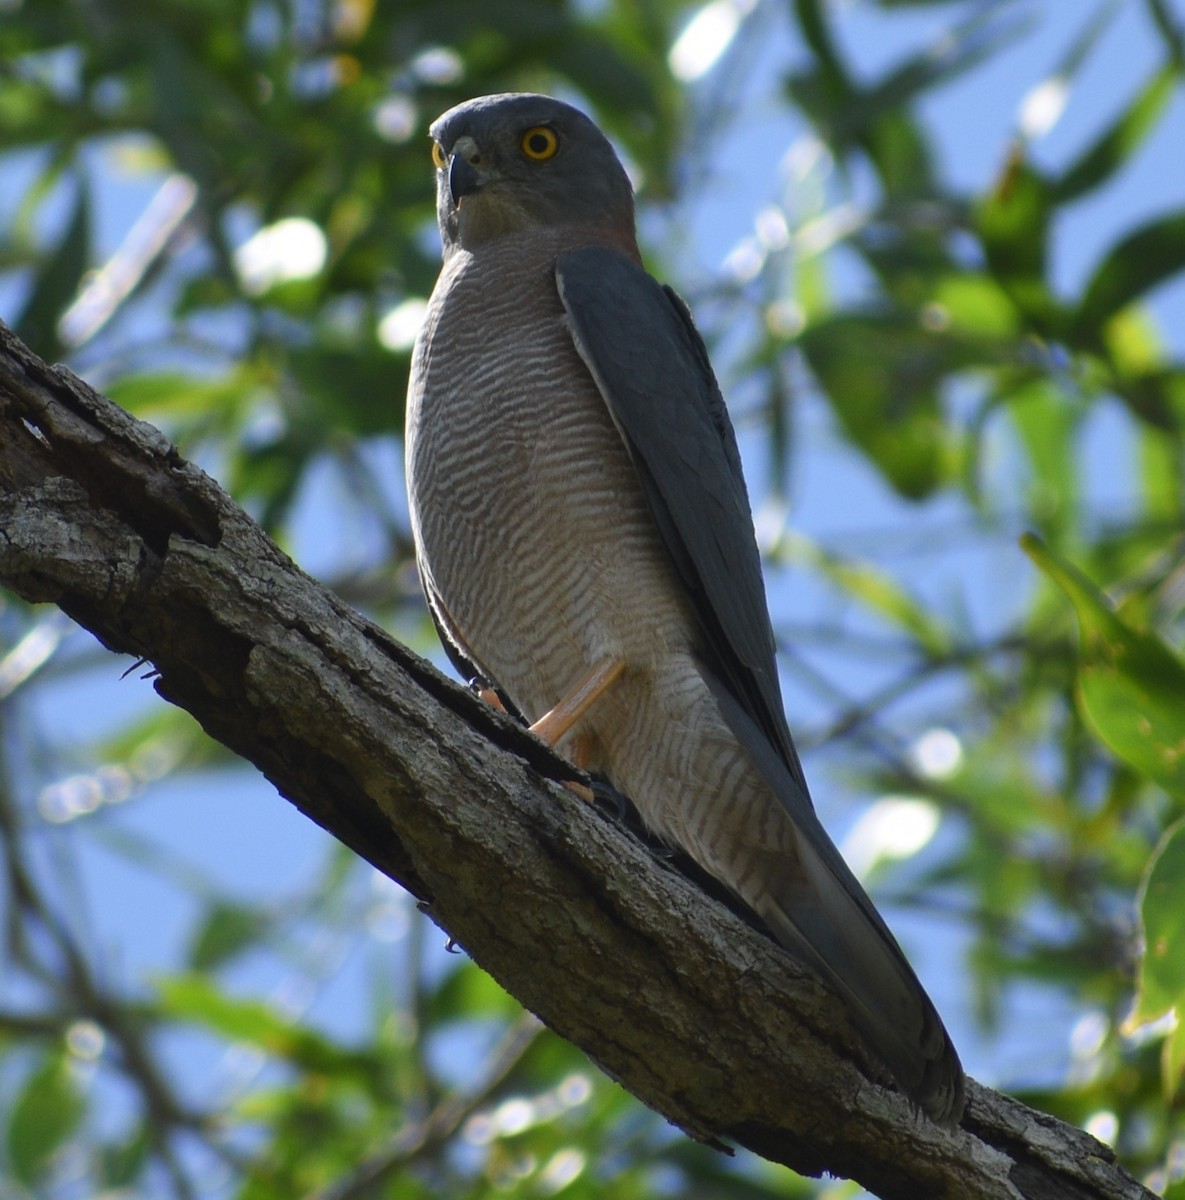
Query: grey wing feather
{"type": "Point", "coordinates": [650, 364]}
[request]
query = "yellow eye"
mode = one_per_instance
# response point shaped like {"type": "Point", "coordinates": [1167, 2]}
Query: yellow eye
{"type": "Point", "coordinates": [438, 157]}
{"type": "Point", "coordinates": [540, 143]}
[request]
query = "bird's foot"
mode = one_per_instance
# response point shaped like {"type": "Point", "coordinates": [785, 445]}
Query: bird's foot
{"type": "Point", "coordinates": [482, 690]}
{"type": "Point", "coordinates": [581, 753]}
{"type": "Point", "coordinates": [606, 796]}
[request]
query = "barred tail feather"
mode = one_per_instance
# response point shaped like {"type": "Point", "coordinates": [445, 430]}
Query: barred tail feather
{"type": "Point", "coordinates": [821, 922]}
{"type": "Point", "coordinates": [817, 909]}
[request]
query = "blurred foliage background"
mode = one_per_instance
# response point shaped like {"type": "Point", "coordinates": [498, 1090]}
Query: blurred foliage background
{"type": "Point", "coordinates": [220, 212]}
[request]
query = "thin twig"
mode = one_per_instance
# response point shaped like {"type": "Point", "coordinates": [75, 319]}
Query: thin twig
{"type": "Point", "coordinates": [416, 1137]}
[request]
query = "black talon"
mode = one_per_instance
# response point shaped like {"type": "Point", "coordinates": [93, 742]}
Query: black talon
{"type": "Point", "coordinates": [478, 684]}
{"type": "Point", "coordinates": [605, 794]}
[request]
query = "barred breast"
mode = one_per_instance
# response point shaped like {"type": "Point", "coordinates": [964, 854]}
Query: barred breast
{"type": "Point", "coordinates": [534, 535]}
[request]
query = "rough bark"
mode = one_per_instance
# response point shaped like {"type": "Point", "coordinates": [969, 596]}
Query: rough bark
{"type": "Point", "coordinates": [693, 1011]}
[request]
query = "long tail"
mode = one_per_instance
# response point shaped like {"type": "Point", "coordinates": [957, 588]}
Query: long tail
{"type": "Point", "coordinates": [818, 910]}
{"type": "Point", "coordinates": [820, 920]}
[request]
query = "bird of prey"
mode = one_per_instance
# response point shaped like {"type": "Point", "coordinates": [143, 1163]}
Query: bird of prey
{"type": "Point", "coordinates": [586, 545]}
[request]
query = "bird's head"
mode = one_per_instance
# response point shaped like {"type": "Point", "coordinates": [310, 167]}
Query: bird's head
{"type": "Point", "coordinates": [516, 162]}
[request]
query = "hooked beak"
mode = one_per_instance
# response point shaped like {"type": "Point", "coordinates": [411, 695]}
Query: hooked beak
{"type": "Point", "coordinates": [465, 173]}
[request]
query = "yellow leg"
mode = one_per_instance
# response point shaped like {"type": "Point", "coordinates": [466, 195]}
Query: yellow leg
{"type": "Point", "coordinates": [554, 724]}
{"type": "Point", "coordinates": [592, 686]}
{"type": "Point", "coordinates": [581, 751]}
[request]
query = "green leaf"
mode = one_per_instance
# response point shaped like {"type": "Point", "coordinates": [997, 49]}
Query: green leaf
{"type": "Point", "coordinates": [601, 72]}
{"type": "Point", "coordinates": [45, 1114]}
{"type": "Point", "coordinates": [467, 993]}
{"type": "Point", "coordinates": [881, 594]}
{"type": "Point", "coordinates": [157, 395]}
{"type": "Point", "coordinates": [975, 306]}
{"type": "Point", "coordinates": [189, 997]}
{"type": "Point", "coordinates": [1162, 918]}
{"type": "Point", "coordinates": [56, 281]}
{"type": "Point", "coordinates": [1130, 685]}
{"type": "Point", "coordinates": [1161, 985]}
{"type": "Point", "coordinates": [123, 1162]}
{"type": "Point", "coordinates": [1047, 421]}
{"type": "Point", "coordinates": [881, 374]}
{"type": "Point", "coordinates": [1079, 50]}
{"type": "Point", "coordinates": [1175, 1191]}
{"type": "Point", "coordinates": [1003, 797]}
{"type": "Point", "coordinates": [878, 118]}
{"type": "Point", "coordinates": [899, 151]}
{"type": "Point", "coordinates": [824, 90]}
{"type": "Point", "coordinates": [1172, 1061]}
{"type": "Point", "coordinates": [1159, 472]}
{"type": "Point", "coordinates": [893, 140]}
{"type": "Point", "coordinates": [1013, 222]}
{"type": "Point", "coordinates": [358, 389]}
{"type": "Point", "coordinates": [812, 23]}
{"type": "Point", "coordinates": [165, 739]}
{"type": "Point", "coordinates": [1112, 149]}
{"type": "Point", "coordinates": [192, 998]}
{"type": "Point", "coordinates": [227, 931]}
{"type": "Point", "coordinates": [267, 475]}
{"type": "Point", "coordinates": [1134, 266]}
{"type": "Point", "coordinates": [1135, 344]}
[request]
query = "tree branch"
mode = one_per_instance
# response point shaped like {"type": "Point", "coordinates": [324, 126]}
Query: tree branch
{"type": "Point", "coordinates": [696, 1013]}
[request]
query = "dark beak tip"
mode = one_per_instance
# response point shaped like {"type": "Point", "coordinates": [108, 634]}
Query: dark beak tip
{"type": "Point", "coordinates": [463, 179]}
